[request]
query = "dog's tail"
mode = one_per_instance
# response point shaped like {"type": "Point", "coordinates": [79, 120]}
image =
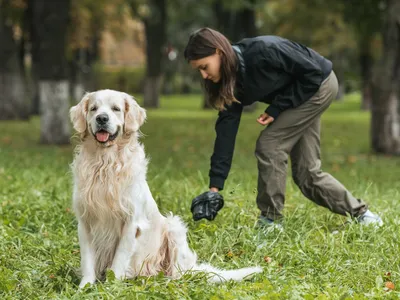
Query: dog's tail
{"type": "Point", "coordinates": [219, 276]}
{"type": "Point", "coordinates": [185, 259]}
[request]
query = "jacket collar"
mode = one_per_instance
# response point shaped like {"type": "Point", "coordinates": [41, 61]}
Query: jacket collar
{"type": "Point", "coordinates": [242, 66]}
{"type": "Point", "coordinates": [240, 74]}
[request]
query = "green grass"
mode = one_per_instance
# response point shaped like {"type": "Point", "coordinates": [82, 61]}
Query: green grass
{"type": "Point", "coordinates": [39, 251]}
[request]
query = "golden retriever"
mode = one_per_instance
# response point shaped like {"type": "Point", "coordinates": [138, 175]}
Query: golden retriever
{"type": "Point", "coordinates": [119, 224]}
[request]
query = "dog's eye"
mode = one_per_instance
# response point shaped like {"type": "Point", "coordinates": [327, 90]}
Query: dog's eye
{"type": "Point", "coordinates": [93, 108]}
{"type": "Point", "coordinates": [116, 108]}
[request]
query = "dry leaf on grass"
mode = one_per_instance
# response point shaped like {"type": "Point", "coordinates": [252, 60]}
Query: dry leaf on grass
{"type": "Point", "coordinates": [267, 259]}
{"type": "Point", "coordinates": [389, 285]}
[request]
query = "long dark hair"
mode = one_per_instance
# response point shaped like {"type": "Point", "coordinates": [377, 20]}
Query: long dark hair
{"type": "Point", "coordinates": [204, 42]}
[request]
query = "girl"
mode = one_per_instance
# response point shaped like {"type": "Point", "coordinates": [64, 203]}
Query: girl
{"type": "Point", "coordinates": [299, 85]}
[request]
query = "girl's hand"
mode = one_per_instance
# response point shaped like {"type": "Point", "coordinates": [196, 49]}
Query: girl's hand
{"type": "Point", "coordinates": [265, 119]}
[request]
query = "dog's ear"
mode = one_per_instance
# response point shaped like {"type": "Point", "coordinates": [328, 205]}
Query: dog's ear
{"type": "Point", "coordinates": [78, 114]}
{"type": "Point", "coordinates": [135, 115]}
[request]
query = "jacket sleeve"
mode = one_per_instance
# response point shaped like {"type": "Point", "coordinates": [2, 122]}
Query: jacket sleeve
{"type": "Point", "coordinates": [307, 75]}
{"type": "Point", "coordinates": [226, 128]}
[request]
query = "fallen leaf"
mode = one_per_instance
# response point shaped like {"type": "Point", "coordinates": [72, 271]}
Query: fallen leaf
{"type": "Point", "coordinates": [389, 285]}
{"type": "Point", "coordinates": [335, 167]}
{"type": "Point", "coordinates": [351, 159]}
{"type": "Point", "coordinates": [6, 140]}
{"type": "Point", "coordinates": [267, 259]}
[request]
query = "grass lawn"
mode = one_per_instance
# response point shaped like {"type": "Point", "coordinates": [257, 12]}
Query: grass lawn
{"type": "Point", "coordinates": [39, 251]}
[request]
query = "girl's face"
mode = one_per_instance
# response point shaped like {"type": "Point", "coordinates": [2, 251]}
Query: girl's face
{"type": "Point", "coordinates": [209, 67]}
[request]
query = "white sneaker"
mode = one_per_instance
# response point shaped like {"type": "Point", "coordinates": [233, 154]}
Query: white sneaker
{"type": "Point", "coordinates": [268, 224]}
{"type": "Point", "coordinates": [369, 218]}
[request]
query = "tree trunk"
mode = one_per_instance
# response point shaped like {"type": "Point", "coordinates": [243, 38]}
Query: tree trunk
{"type": "Point", "coordinates": [34, 50]}
{"type": "Point", "coordinates": [21, 53]}
{"type": "Point", "coordinates": [247, 27]}
{"type": "Point", "coordinates": [54, 98]}
{"type": "Point", "coordinates": [247, 22]}
{"type": "Point", "coordinates": [155, 29]}
{"type": "Point", "coordinates": [13, 104]}
{"type": "Point", "coordinates": [12, 96]}
{"type": "Point", "coordinates": [366, 95]}
{"type": "Point", "coordinates": [81, 78]}
{"type": "Point", "coordinates": [236, 24]}
{"type": "Point", "coordinates": [90, 56]}
{"type": "Point", "coordinates": [224, 19]}
{"type": "Point", "coordinates": [81, 64]}
{"type": "Point", "coordinates": [152, 87]}
{"type": "Point", "coordinates": [78, 91]}
{"type": "Point", "coordinates": [385, 122]}
{"type": "Point", "coordinates": [50, 21]}
{"type": "Point", "coordinates": [366, 62]}
{"type": "Point", "coordinates": [34, 89]}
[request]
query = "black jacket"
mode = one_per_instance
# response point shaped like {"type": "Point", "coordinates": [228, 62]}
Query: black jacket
{"type": "Point", "coordinates": [273, 70]}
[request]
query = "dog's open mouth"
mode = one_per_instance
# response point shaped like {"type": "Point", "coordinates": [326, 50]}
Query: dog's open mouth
{"type": "Point", "coordinates": [103, 136]}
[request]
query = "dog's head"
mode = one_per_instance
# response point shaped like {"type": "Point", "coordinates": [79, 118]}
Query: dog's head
{"type": "Point", "coordinates": [107, 115]}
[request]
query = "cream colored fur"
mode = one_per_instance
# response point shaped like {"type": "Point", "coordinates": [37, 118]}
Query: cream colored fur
{"type": "Point", "coordinates": [119, 224]}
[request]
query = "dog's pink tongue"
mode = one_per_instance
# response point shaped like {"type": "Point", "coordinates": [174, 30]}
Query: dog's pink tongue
{"type": "Point", "coordinates": [102, 136]}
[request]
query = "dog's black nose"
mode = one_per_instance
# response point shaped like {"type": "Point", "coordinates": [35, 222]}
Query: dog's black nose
{"type": "Point", "coordinates": [102, 119]}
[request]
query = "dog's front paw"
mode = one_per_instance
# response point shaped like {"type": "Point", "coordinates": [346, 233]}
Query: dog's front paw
{"type": "Point", "coordinates": [86, 280]}
{"type": "Point", "coordinates": [119, 275]}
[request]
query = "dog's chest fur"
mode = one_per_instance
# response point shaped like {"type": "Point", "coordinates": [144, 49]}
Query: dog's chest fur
{"type": "Point", "coordinates": [104, 180]}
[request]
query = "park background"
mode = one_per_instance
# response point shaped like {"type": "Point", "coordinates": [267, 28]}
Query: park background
{"type": "Point", "coordinates": [52, 51]}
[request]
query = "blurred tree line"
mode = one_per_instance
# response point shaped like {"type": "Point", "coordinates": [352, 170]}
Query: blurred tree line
{"type": "Point", "coordinates": [62, 38]}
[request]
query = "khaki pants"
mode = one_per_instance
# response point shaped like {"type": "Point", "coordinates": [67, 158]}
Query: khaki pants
{"type": "Point", "coordinates": [296, 132]}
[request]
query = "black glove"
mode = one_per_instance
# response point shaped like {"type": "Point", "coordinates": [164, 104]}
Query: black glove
{"type": "Point", "coordinates": [207, 205]}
